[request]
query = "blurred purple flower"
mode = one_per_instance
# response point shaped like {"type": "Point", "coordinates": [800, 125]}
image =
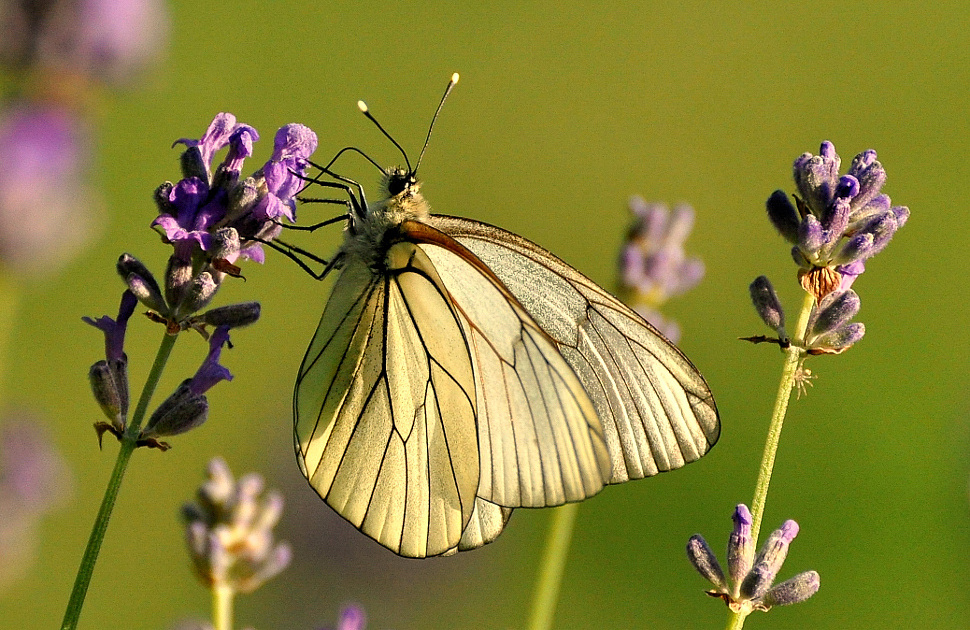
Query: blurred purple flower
{"type": "Point", "coordinates": [34, 479]}
{"type": "Point", "coordinates": [653, 264]}
{"type": "Point", "coordinates": [230, 531]}
{"type": "Point", "coordinates": [351, 618]}
{"type": "Point", "coordinates": [46, 207]}
{"type": "Point", "coordinates": [111, 40]}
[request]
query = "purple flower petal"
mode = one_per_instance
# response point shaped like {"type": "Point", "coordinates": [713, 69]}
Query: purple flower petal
{"type": "Point", "coordinates": [210, 372]}
{"type": "Point", "coordinates": [214, 138]}
{"type": "Point", "coordinates": [114, 329]}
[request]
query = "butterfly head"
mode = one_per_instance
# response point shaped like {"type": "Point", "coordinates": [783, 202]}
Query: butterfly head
{"type": "Point", "coordinates": [402, 190]}
{"type": "Point", "coordinates": [400, 181]}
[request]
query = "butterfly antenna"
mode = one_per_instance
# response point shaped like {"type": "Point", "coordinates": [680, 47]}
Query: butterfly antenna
{"type": "Point", "coordinates": [326, 169]}
{"type": "Point", "coordinates": [451, 85]}
{"type": "Point", "coordinates": [366, 112]}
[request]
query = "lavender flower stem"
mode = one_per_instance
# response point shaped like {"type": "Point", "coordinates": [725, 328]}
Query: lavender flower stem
{"type": "Point", "coordinates": [792, 357]}
{"type": "Point", "coordinates": [222, 596]}
{"type": "Point", "coordinates": [128, 442]}
{"type": "Point", "coordinates": [552, 567]}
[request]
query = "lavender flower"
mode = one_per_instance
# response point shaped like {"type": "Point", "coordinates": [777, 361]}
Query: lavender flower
{"type": "Point", "coordinates": [837, 222]}
{"type": "Point", "coordinates": [230, 531]}
{"type": "Point", "coordinates": [109, 376]}
{"type": "Point", "coordinates": [653, 264]}
{"type": "Point", "coordinates": [46, 207]}
{"type": "Point", "coordinates": [34, 479]}
{"type": "Point", "coordinates": [187, 408]}
{"type": "Point", "coordinates": [750, 578]}
{"type": "Point", "coordinates": [214, 214]}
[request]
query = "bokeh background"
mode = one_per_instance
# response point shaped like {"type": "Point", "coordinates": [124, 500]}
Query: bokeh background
{"type": "Point", "coordinates": [564, 110]}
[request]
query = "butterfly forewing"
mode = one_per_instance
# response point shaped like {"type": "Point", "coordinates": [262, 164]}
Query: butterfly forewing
{"type": "Point", "coordinates": [385, 407]}
{"type": "Point", "coordinates": [656, 410]}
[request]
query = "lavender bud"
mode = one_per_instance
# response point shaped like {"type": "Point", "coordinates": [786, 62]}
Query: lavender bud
{"type": "Point", "coordinates": [836, 218]}
{"type": "Point", "coordinates": [225, 243]}
{"type": "Point", "coordinates": [882, 229]}
{"type": "Point", "coordinates": [141, 282]}
{"type": "Point", "coordinates": [838, 340]}
{"type": "Point", "coordinates": [193, 164]}
{"type": "Point", "coordinates": [859, 247]}
{"type": "Point", "coordinates": [870, 174]}
{"type": "Point", "coordinates": [740, 551]}
{"type": "Point", "coordinates": [230, 531]}
{"type": "Point", "coordinates": [769, 561]}
{"type": "Point", "coordinates": [793, 591]}
{"type": "Point", "coordinates": [834, 311]}
{"type": "Point", "coordinates": [902, 215]}
{"type": "Point", "coordinates": [816, 176]}
{"type": "Point", "coordinates": [783, 215]}
{"type": "Point", "coordinates": [198, 293]}
{"type": "Point", "coordinates": [177, 277]}
{"type": "Point", "coordinates": [232, 316]}
{"type": "Point", "coordinates": [702, 557]}
{"type": "Point", "coordinates": [811, 237]}
{"type": "Point", "coordinates": [163, 197]}
{"type": "Point", "coordinates": [182, 411]}
{"type": "Point", "coordinates": [861, 217]}
{"type": "Point", "coordinates": [848, 187]}
{"type": "Point", "coordinates": [769, 308]}
{"type": "Point", "coordinates": [109, 383]}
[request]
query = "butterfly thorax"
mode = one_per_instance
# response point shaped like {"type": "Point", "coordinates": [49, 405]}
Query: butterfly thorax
{"type": "Point", "coordinates": [369, 236]}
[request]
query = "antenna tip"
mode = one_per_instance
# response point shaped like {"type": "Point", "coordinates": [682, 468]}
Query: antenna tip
{"type": "Point", "coordinates": [362, 106]}
{"type": "Point", "coordinates": [454, 78]}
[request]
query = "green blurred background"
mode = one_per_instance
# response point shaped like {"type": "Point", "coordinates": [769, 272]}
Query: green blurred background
{"type": "Point", "coordinates": [563, 111]}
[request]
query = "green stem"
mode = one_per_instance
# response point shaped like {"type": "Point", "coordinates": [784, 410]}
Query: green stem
{"type": "Point", "coordinates": [793, 356]}
{"type": "Point", "coordinates": [552, 567]}
{"type": "Point", "coordinates": [222, 595]}
{"type": "Point", "coordinates": [128, 441]}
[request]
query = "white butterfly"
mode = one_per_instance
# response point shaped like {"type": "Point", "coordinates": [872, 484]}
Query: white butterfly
{"type": "Point", "coordinates": [460, 371]}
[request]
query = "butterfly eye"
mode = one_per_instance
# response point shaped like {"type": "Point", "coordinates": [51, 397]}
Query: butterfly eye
{"type": "Point", "coordinates": [399, 181]}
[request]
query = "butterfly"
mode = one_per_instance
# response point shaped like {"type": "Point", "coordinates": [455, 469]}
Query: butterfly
{"type": "Point", "coordinates": [460, 371]}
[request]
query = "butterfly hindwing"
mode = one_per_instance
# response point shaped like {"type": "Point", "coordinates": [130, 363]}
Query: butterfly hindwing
{"type": "Point", "coordinates": [657, 411]}
{"type": "Point", "coordinates": [540, 440]}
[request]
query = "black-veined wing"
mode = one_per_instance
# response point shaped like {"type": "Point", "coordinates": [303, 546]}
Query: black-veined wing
{"type": "Point", "coordinates": [657, 411]}
{"type": "Point", "coordinates": [429, 404]}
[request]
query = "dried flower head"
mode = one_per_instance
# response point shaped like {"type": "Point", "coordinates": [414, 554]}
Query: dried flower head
{"type": "Point", "coordinates": [748, 586]}
{"type": "Point", "coordinates": [230, 531]}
